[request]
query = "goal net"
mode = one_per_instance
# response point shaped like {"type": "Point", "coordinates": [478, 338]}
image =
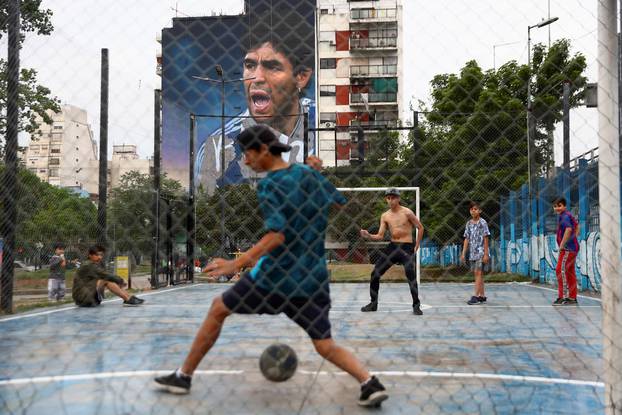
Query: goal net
{"type": "Point", "coordinates": [350, 257]}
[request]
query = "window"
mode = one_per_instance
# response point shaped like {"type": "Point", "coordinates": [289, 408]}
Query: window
{"type": "Point", "coordinates": [53, 172]}
{"type": "Point", "coordinates": [54, 162]}
{"type": "Point", "coordinates": [327, 37]}
{"type": "Point", "coordinates": [327, 90]}
{"type": "Point", "coordinates": [34, 148]}
{"type": "Point", "coordinates": [55, 149]}
{"type": "Point", "coordinates": [327, 117]}
{"type": "Point", "coordinates": [323, 11]}
{"type": "Point", "coordinates": [328, 63]}
{"type": "Point", "coordinates": [58, 127]}
{"type": "Point", "coordinates": [42, 170]}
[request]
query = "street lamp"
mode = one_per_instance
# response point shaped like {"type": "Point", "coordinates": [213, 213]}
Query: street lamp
{"type": "Point", "coordinates": [536, 26]}
{"type": "Point", "coordinates": [222, 81]}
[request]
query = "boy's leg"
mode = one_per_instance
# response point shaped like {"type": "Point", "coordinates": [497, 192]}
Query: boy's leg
{"type": "Point", "coordinates": [571, 276]}
{"type": "Point", "coordinates": [383, 264]}
{"type": "Point", "coordinates": [559, 273]}
{"type": "Point", "coordinates": [206, 336]}
{"type": "Point", "coordinates": [408, 260]}
{"type": "Point", "coordinates": [61, 290]}
{"type": "Point", "coordinates": [479, 282]}
{"type": "Point", "coordinates": [51, 289]}
{"type": "Point", "coordinates": [342, 358]}
{"type": "Point", "coordinates": [114, 288]}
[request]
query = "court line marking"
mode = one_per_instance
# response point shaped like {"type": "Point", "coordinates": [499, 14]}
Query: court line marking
{"type": "Point", "coordinates": [58, 310]}
{"type": "Point", "coordinates": [423, 307]}
{"type": "Point", "coordinates": [416, 374]}
{"type": "Point", "coordinates": [528, 284]}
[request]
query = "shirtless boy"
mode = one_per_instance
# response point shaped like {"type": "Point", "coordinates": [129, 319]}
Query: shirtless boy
{"type": "Point", "coordinates": [400, 221]}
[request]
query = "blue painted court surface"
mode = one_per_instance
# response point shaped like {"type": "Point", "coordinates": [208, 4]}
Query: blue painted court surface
{"type": "Point", "coordinates": [516, 354]}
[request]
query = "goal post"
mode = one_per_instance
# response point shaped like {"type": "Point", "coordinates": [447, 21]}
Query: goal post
{"type": "Point", "coordinates": [362, 211]}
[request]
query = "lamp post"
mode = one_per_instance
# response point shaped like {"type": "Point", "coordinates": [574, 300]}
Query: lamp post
{"type": "Point", "coordinates": [536, 26]}
{"type": "Point", "coordinates": [222, 81]}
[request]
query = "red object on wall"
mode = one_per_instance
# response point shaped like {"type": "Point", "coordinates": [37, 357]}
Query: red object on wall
{"type": "Point", "coordinates": [342, 39]}
{"type": "Point", "coordinates": [343, 118]}
{"type": "Point", "coordinates": [343, 149]}
{"type": "Point", "coordinates": [342, 94]}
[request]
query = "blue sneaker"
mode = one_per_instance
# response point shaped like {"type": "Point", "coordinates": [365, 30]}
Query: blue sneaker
{"type": "Point", "coordinates": [473, 300]}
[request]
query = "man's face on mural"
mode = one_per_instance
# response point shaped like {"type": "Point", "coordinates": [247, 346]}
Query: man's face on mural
{"type": "Point", "coordinates": [273, 93]}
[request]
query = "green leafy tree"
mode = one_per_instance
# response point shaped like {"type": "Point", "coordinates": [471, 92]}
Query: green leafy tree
{"type": "Point", "coordinates": [49, 214]}
{"type": "Point", "coordinates": [34, 99]}
{"type": "Point", "coordinates": [130, 215]}
{"type": "Point", "coordinates": [473, 145]}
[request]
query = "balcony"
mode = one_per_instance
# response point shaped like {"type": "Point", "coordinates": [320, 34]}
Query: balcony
{"type": "Point", "coordinates": [373, 98]}
{"type": "Point", "coordinates": [373, 43]}
{"type": "Point", "coordinates": [366, 71]}
{"type": "Point", "coordinates": [372, 126]}
{"type": "Point", "coordinates": [373, 15]}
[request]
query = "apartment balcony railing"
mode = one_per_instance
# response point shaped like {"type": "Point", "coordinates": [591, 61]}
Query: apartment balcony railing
{"type": "Point", "coordinates": [373, 14]}
{"type": "Point", "coordinates": [373, 43]}
{"type": "Point", "coordinates": [373, 70]}
{"type": "Point", "coordinates": [374, 125]}
{"type": "Point", "coordinates": [373, 98]}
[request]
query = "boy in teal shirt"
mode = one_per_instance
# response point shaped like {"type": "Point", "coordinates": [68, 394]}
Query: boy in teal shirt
{"type": "Point", "coordinates": [290, 275]}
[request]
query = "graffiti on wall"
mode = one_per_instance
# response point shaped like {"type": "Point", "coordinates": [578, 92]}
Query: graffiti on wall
{"type": "Point", "coordinates": [544, 254]}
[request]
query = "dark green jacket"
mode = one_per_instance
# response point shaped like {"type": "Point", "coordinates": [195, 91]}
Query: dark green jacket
{"type": "Point", "coordinates": [84, 290]}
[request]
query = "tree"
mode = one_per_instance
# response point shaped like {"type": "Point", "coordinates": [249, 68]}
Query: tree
{"type": "Point", "coordinates": [32, 18]}
{"type": "Point", "coordinates": [34, 99]}
{"type": "Point", "coordinates": [130, 216]}
{"type": "Point", "coordinates": [49, 214]}
{"type": "Point", "coordinates": [551, 69]}
{"type": "Point", "coordinates": [473, 144]}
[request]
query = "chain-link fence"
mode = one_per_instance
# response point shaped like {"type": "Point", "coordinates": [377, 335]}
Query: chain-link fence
{"type": "Point", "coordinates": [430, 230]}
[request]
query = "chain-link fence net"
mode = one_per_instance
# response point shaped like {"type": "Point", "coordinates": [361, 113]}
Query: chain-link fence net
{"type": "Point", "coordinates": [420, 198]}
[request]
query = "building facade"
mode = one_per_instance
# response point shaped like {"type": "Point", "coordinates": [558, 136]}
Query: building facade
{"type": "Point", "coordinates": [360, 74]}
{"type": "Point", "coordinates": [61, 153]}
{"type": "Point", "coordinates": [64, 154]}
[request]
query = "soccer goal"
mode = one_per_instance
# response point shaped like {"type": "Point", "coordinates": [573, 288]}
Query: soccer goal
{"type": "Point", "coordinates": [351, 257]}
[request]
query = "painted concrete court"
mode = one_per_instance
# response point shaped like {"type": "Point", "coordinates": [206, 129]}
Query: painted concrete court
{"type": "Point", "coordinates": [516, 354]}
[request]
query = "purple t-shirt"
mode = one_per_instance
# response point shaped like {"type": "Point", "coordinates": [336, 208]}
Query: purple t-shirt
{"type": "Point", "coordinates": [565, 221]}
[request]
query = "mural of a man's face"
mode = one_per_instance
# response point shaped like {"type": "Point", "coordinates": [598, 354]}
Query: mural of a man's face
{"type": "Point", "coordinates": [273, 93]}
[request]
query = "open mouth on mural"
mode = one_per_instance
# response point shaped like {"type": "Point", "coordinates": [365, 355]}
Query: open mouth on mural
{"type": "Point", "coordinates": [261, 101]}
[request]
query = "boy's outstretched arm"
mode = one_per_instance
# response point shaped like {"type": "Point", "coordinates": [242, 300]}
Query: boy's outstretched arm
{"type": "Point", "coordinates": [267, 243]}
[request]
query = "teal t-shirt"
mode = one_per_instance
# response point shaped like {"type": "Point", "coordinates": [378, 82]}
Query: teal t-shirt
{"type": "Point", "coordinates": [295, 201]}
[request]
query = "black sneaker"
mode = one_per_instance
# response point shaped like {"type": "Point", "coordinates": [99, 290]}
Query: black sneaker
{"type": "Point", "coordinates": [473, 300]}
{"type": "Point", "coordinates": [174, 384]}
{"type": "Point", "coordinates": [417, 310]}
{"type": "Point", "coordinates": [372, 393]}
{"type": "Point", "coordinates": [481, 299]}
{"type": "Point", "coordinates": [559, 301]}
{"type": "Point", "coordinates": [133, 301]}
{"type": "Point", "coordinates": [570, 301]}
{"type": "Point", "coordinates": [369, 307]}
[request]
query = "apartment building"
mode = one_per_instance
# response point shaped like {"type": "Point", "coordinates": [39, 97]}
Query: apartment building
{"type": "Point", "coordinates": [125, 159]}
{"type": "Point", "coordinates": [359, 74]}
{"type": "Point", "coordinates": [64, 154]}
{"type": "Point", "coordinates": [60, 153]}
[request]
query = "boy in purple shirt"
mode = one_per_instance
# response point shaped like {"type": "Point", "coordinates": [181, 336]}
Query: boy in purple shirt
{"type": "Point", "coordinates": [567, 230]}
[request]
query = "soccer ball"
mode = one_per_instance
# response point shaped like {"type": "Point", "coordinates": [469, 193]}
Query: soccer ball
{"type": "Point", "coordinates": [278, 362]}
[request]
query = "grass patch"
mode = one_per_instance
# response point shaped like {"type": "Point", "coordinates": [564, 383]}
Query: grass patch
{"type": "Point", "coordinates": [346, 272]}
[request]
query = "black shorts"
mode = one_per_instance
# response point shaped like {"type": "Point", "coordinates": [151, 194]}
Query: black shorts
{"type": "Point", "coordinates": [245, 297]}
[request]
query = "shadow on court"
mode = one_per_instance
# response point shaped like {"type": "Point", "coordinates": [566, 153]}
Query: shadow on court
{"type": "Point", "coordinates": [516, 354]}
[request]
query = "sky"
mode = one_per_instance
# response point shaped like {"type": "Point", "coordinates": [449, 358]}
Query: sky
{"type": "Point", "coordinates": [440, 37]}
